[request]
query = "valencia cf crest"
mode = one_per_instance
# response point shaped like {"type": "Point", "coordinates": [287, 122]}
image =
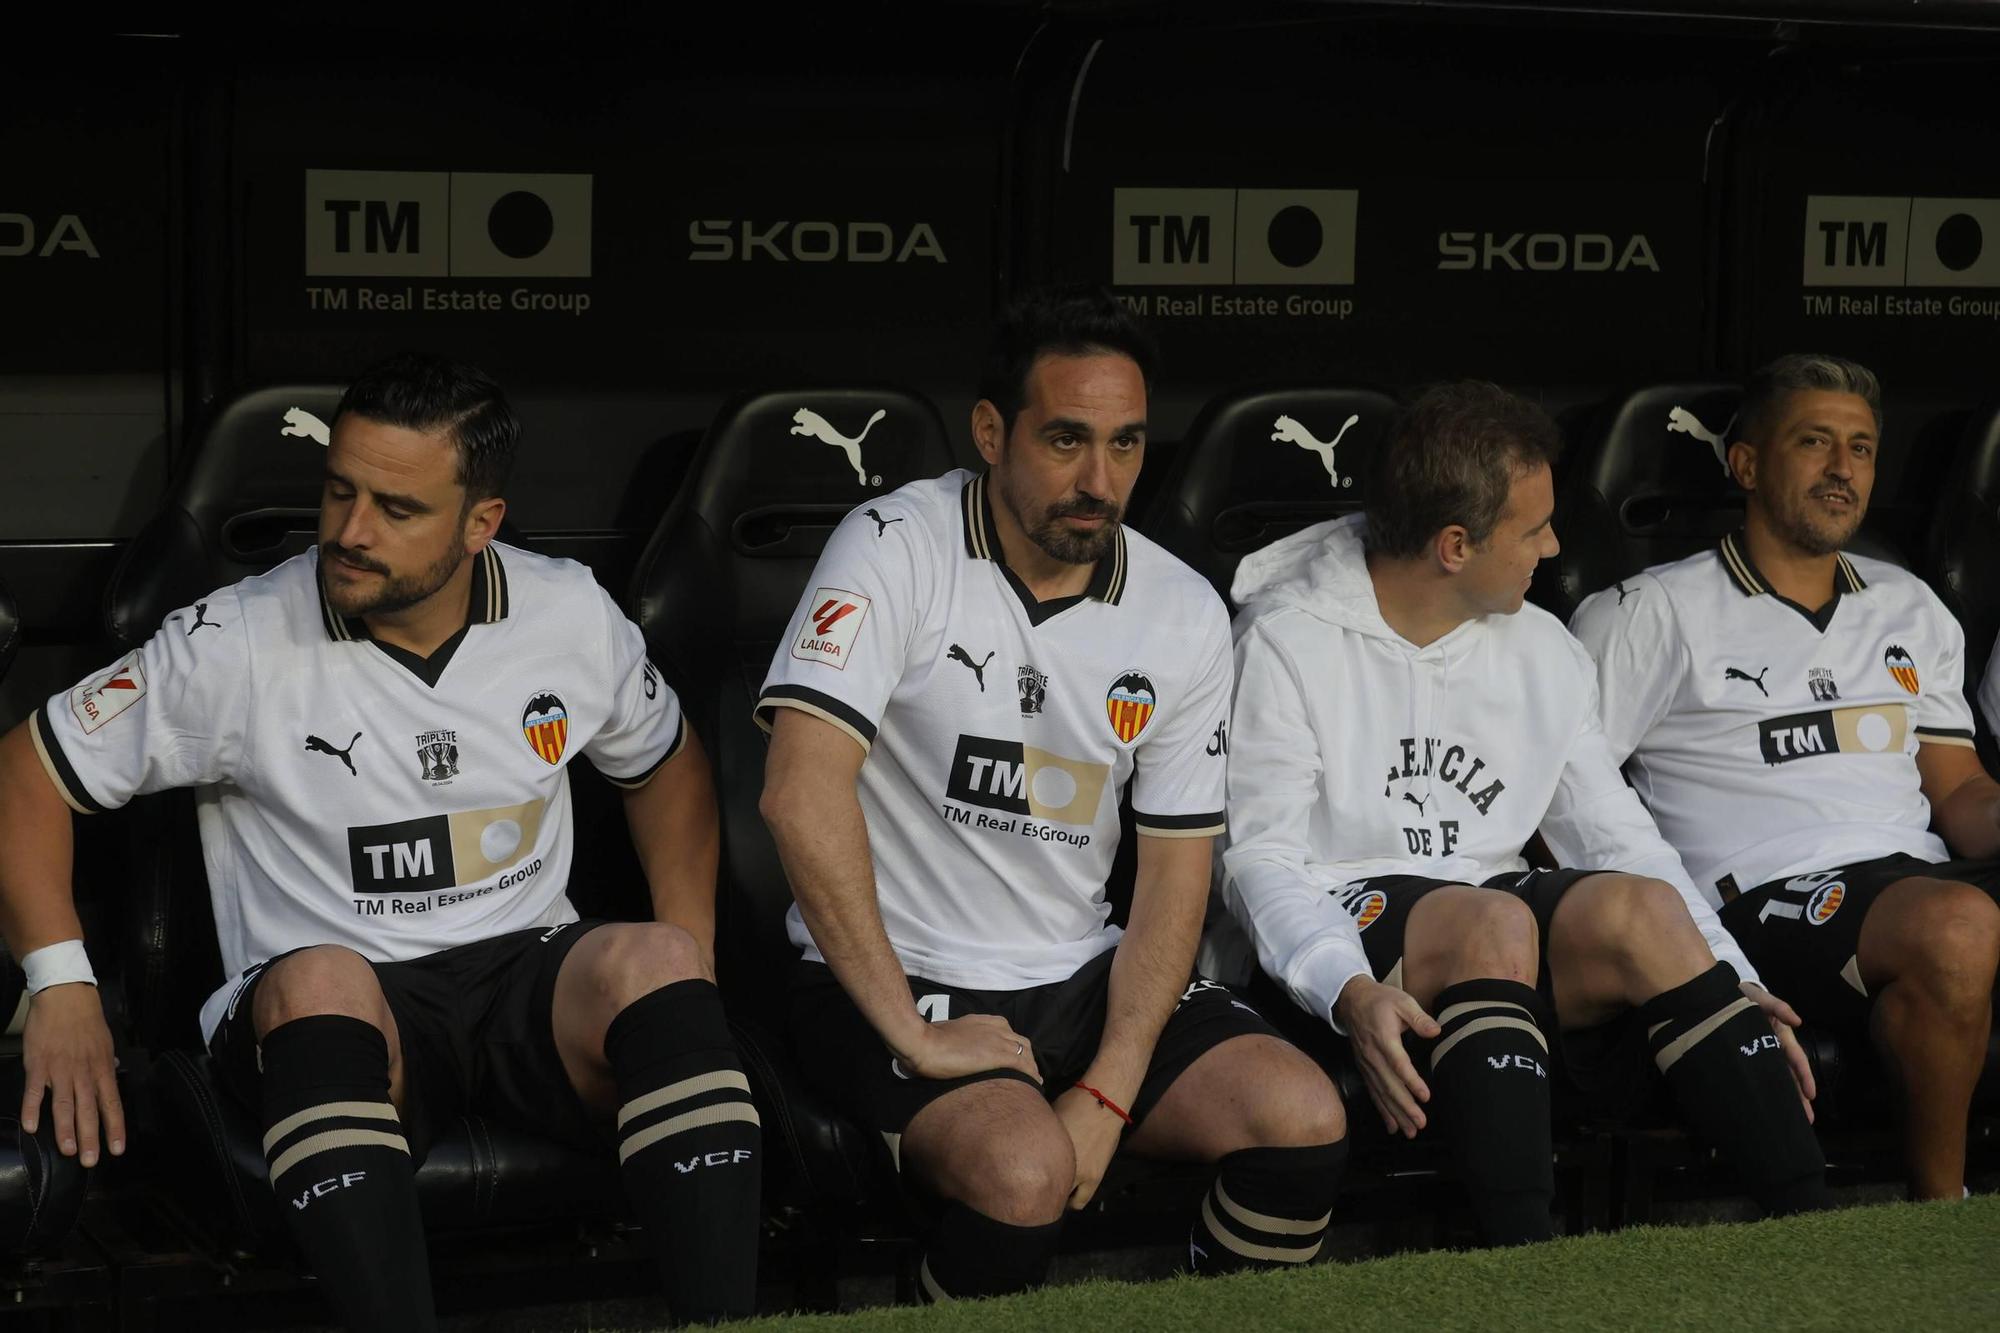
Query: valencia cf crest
{"type": "Point", "coordinates": [1129, 703]}
{"type": "Point", "coordinates": [545, 722]}
{"type": "Point", "coordinates": [1364, 905]}
{"type": "Point", "coordinates": [1825, 901]}
{"type": "Point", "coordinates": [1902, 666]}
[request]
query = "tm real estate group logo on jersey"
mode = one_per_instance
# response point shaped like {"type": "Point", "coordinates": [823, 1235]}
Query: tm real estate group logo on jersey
{"type": "Point", "coordinates": [448, 242]}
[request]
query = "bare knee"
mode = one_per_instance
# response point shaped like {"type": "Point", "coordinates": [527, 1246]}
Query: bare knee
{"type": "Point", "coordinates": [1942, 938]}
{"type": "Point", "coordinates": [1468, 934]}
{"type": "Point", "coordinates": [634, 959]}
{"type": "Point", "coordinates": [1642, 923]}
{"type": "Point", "coordinates": [326, 979]}
{"type": "Point", "coordinates": [1021, 1176]}
{"type": "Point", "coordinates": [1300, 1107]}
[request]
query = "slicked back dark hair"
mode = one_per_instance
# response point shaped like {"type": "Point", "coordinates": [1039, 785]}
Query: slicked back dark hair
{"type": "Point", "coordinates": [1066, 321]}
{"type": "Point", "coordinates": [1765, 392]}
{"type": "Point", "coordinates": [432, 394]}
{"type": "Point", "coordinates": [1452, 457]}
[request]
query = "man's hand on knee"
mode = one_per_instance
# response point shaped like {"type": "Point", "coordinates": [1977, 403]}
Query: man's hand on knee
{"type": "Point", "coordinates": [66, 1048]}
{"type": "Point", "coordinates": [970, 1045]}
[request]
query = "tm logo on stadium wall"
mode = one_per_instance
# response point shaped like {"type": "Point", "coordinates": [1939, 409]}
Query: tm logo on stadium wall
{"type": "Point", "coordinates": [438, 224]}
{"type": "Point", "coordinates": [1888, 241]}
{"type": "Point", "coordinates": [1289, 238]}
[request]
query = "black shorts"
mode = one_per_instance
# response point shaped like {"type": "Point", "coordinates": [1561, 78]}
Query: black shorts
{"type": "Point", "coordinates": [841, 1053]}
{"type": "Point", "coordinates": [476, 1032]}
{"type": "Point", "coordinates": [1602, 1070]}
{"type": "Point", "coordinates": [1802, 934]}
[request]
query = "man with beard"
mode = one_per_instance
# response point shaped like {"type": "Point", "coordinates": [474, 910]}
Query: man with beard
{"type": "Point", "coordinates": [378, 729]}
{"type": "Point", "coordinates": [968, 688]}
{"type": "Point", "coordinates": [1793, 718]}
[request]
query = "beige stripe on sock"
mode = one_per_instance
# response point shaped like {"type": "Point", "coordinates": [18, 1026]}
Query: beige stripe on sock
{"type": "Point", "coordinates": [687, 1087]}
{"type": "Point", "coordinates": [1249, 1249]}
{"type": "Point", "coordinates": [332, 1139]}
{"type": "Point", "coordinates": [1671, 1053]}
{"type": "Point", "coordinates": [680, 1124]}
{"type": "Point", "coordinates": [1479, 1025]}
{"type": "Point", "coordinates": [1280, 1226]}
{"type": "Point", "coordinates": [328, 1111]}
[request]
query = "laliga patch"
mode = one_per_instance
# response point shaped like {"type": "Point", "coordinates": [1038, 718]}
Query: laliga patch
{"type": "Point", "coordinates": [1365, 907]}
{"type": "Point", "coordinates": [1826, 900]}
{"type": "Point", "coordinates": [96, 702]}
{"type": "Point", "coordinates": [1902, 666]}
{"type": "Point", "coordinates": [545, 724]}
{"type": "Point", "coordinates": [1129, 704]}
{"type": "Point", "coordinates": [832, 623]}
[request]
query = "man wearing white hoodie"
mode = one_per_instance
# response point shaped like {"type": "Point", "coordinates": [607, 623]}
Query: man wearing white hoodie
{"type": "Point", "coordinates": [1403, 726]}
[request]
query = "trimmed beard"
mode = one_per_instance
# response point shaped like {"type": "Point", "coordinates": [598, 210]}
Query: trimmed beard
{"type": "Point", "coordinates": [1792, 525]}
{"type": "Point", "coordinates": [399, 592]}
{"type": "Point", "coordinates": [1062, 544]}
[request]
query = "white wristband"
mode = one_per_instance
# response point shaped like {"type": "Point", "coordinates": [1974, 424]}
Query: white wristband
{"type": "Point", "coordinates": [56, 965]}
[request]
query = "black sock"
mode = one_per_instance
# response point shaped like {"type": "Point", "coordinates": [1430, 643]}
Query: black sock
{"type": "Point", "coordinates": [690, 1147]}
{"type": "Point", "coordinates": [1488, 1071]}
{"type": "Point", "coordinates": [1730, 1079]}
{"type": "Point", "coordinates": [342, 1170]}
{"type": "Point", "coordinates": [1268, 1208]}
{"type": "Point", "coordinates": [971, 1254]}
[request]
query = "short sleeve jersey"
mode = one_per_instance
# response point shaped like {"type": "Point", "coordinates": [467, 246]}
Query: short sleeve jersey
{"type": "Point", "coordinates": [1767, 740]}
{"type": "Point", "coordinates": [353, 793]}
{"type": "Point", "coordinates": [999, 731]}
{"type": "Point", "coordinates": [1989, 691]}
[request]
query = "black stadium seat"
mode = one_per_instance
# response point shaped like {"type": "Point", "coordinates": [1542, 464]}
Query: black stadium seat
{"type": "Point", "coordinates": [1964, 554]}
{"type": "Point", "coordinates": [248, 499]}
{"type": "Point", "coordinates": [715, 593]}
{"type": "Point", "coordinates": [1261, 463]}
{"type": "Point", "coordinates": [1648, 485]}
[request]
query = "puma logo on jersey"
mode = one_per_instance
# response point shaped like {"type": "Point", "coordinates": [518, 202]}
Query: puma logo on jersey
{"type": "Point", "coordinates": [1731, 673]}
{"type": "Point", "coordinates": [1291, 431]}
{"type": "Point", "coordinates": [1623, 591]}
{"type": "Point", "coordinates": [317, 746]}
{"type": "Point", "coordinates": [304, 425]}
{"type": "Point", "coordinates": [816, 427]}
{"type": "Point", "coordinates": [1420, 804]}
{"type": "Point", "coordinates": [881, 524]}
{"type": "Point", "coordinates": [1687, 423]}
{"type": "Point", "coordinates": [200, 619]}
{"type": "Point", "coordinates": [964, 659]}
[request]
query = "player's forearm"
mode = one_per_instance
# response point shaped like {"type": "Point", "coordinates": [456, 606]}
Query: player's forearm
{"type": "Point", "coordinates": [1149, 972]}
{"type": "Point", "coordinates": [1969, 819]}
{"type": "Point", "coordinates": [673, 824]}
{"type": "Point", "coordinates": [36, 852]}
{"type": "Point", "coordinates": [822, 840]}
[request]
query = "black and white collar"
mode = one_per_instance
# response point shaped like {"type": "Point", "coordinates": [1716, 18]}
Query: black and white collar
{"type": "Point", "coordinates": [982, 542]}
{"type": "Point", "coordinates": [1736, 562]}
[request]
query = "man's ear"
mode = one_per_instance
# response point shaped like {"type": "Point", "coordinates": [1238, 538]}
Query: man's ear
{"type": "Point", "coordinates": [482, 523]}
{"type": "Point", "coordinates": [1743, 464]}
{"type": "Point", "coordinates": [989, 431]}
{"type": "Point", "coordinates": [1453, 548]}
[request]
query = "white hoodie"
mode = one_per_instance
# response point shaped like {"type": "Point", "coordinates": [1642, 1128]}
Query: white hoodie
{"type": "Point", "coordinates": [1484, 736]}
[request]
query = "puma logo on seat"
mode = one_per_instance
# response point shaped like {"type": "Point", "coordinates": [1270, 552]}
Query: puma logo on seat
{"type": "Point", "coordinates": [304, 424]}
{"type": "Point", "coordinates": [1687, 423]}
{"type": "Point", "coordinates": [1731, 673]}
{"type": "Point", "coordinates": [978, 669]}
{"type": "Point", "coordinates": [200, 620]}
{"type": "Point", "coordinates": [814, 426]}
{"type": "Point", "coordinates": [318, 746]}
{"type": "Point", "coordinates": [1291, 431]}
{"type": "Point", "coordinates": [881, 524]}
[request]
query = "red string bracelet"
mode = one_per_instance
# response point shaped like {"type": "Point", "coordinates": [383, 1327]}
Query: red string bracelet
{"type": "Point", "coordinates": [1105, 1102]}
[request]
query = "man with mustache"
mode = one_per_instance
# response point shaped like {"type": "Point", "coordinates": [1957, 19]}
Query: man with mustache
{"type": "Point", "coordinates": [962, 990]}
{"type": "Point", "coordinates": [1823, 816]}
{"type": "Point", "coordinates": [399, 939]}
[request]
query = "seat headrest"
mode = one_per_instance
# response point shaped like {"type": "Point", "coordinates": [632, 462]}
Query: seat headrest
{"type": "Point", "coordinates": [1261, 463]}
{"type": "Point", "coordinates": [10, 628]}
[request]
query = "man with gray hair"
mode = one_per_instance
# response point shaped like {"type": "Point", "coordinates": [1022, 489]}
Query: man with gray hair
{"type": "Point", "coordinates": [1793, 717]}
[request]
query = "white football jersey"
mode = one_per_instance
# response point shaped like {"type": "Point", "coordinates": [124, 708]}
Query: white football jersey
{"type": "Point", "coordinates": [999, 731]}
{"type": "Point", "coordinates": [353, 793]}
{"type": "Point", "coordinates": [1767, 740]}
{"type": "Point", "coordinates": [1989, 691]}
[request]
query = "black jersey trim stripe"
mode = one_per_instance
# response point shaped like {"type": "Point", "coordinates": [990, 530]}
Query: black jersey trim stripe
{"type": "Point", "coordinates": [1107, 577]}
{"type": "Point", "coordinates": [68, 785]}
{"type": "Point", "coordinates": [1199, 825]}
{"type": "Point", "coordinates": [634, 783]}
{"type": "Point", "coordinates": [487, 603]}
{"type": "Point", "coordinates": [1753, 584]}
{"type": "Point", "coordinates": [825, 706]}
{"type": "Point", "coordinates": [1946, 735]}
{"type": "Point", "coordinates": [1740, 569]}
{"type": "Point", "coordinates": [1855, 583]}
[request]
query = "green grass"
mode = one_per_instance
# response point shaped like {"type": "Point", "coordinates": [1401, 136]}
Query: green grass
{"type": "Point", "coordinates": [1913, 1266]}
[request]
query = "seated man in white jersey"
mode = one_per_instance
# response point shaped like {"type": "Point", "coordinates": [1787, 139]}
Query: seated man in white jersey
{"type": "Point", "coordinates": [1404, 724]}
{"type": "Point", "coordinates": [983, 662]}
{"type": "Point", "coordinates": [378, 729]}
{"type": "Point", "coordinates": [1989, 691]}
{"type": "Point", "coordinates": [1794, 719]}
